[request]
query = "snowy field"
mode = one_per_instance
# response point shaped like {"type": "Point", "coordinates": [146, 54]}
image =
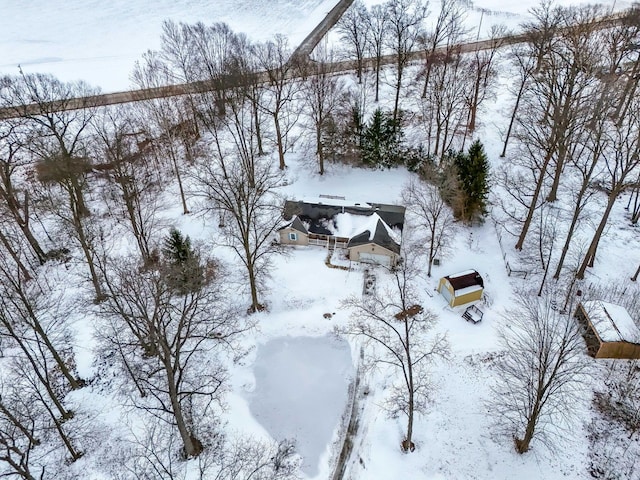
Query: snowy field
{"type": "Point", "coordinates": [98, 41]}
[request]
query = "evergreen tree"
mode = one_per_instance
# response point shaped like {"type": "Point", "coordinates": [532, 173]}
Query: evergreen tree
{"type": "Point", "coordinates": [472, 172]}
{"type": "Point", "coordinates": [381, 141]}
{"type": "Point", "coordinates": [183, 269]}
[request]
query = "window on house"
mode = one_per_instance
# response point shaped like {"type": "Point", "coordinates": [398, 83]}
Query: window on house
{"type": "Point", "coordinates": [293, 237]}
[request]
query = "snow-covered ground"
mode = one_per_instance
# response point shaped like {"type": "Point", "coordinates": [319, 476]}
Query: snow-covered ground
{"type": "Point", "coordinates": [292, 362]}
{"type": "Point", "coordinates": [98, 41]}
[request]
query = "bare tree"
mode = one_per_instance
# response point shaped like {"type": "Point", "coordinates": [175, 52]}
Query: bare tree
{"type": "Point", "coordinates": [254, 460]}
{"type": "Point", "coordinates": [541, 33]}
{"type": "Point", "coordinates": [168, 123]}
{"type": "Point", "coordinates": [433, 215]}
{"type": "Point", "coordinates": [525, 65]}
{"type": "Point", "coordinates": [41, 364]}
{"type": "Point", "coordinates": [448, 29]}
{"type": "Point", "coordinates": [621, 400]}
{"type": "Point", "coordinates": [323, 97]}
{"type": "Point", "coordinates": [483, 72]}
{"type": "Point", "coordinates": [585, 158]}
{"type": "Point", "coordinates": [20, 430]}
{"type": "Point", "coordinates": [396, 326]}
{"type": "Point", "coordinates": [547, 234]}
{"type": "Point", "coordinates": [405, 26]}
{"type": "Point", "coordinates": [15, 253]}
{"type": "Point", "coordinates": [57, 139]}
{"type": "Point", "coordinates": [244, 68]}
{"type": "Point", "coordinates": [540, 371]}
{"type": "Point", "coordinates": [31, 316]}
{"type": "Point", "coordinates": [558, 97]}
{"type": "Point", "coordinates": [445, 109]}
{"type": "Point", "coordinates": [134, 186]}
{"type": "Point", "coordinates": [165, 330]}
{"type": "Point", "coordinates": [16, 198]}
{"type": "Point", "coordinates": [250, 210]}
{"type": "Point", "coordinates": [627, 35]}
{"type": "Point", "coordinates": [579, 42]}
{"type": "Point", "coordinates": [378, 27]}
{"type": "Point", "coordinates": [274, 58]}
{"type": "Point", "coordinates": [622, 160]}
{"type": "Point", "coordinates": [354, 33]}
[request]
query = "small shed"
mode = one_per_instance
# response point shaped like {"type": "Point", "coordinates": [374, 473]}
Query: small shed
{"type": "Point", "coordinates": [294, 233]}
{"type": "Point", "coordinates": [461, 288]}
{"type": "Point", "coordinates": [608, 330]}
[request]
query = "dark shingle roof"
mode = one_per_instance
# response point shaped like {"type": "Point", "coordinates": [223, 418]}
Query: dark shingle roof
{"type": "Point", "coordinates": [463, 281]}
{"type": "Point", "coordinates": [393, 215]}
{"type": "Point", "coordinates": [296, 224]}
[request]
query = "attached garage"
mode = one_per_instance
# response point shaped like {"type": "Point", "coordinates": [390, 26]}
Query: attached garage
{"type": "Point", "coordinates": [461, 288]}
{"type": "Point", "coordinates": [375, 244]}
{"type": "Point", "coordinates": [608, 330]}
{"type": "Point", "coordinates": [374, 258]}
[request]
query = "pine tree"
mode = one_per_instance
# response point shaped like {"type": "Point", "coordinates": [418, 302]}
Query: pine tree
{"type": "Point", "coordinates": [176, 249]}
{"type": "Point", "coordinates": [183, 270]}
{"type": "Point", "coordinates": [381, 141]}
{"type": "Point", "coordinates": [473, 179]}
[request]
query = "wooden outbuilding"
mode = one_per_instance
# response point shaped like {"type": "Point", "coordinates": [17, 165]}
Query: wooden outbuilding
{"type": "Point", "coordinates": [608, 330]}
{"type": "Point", "coordinates": [461, 288]}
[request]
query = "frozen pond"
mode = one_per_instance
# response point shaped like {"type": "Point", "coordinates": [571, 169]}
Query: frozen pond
{"type": "Point", "coordinates": [301, 391]}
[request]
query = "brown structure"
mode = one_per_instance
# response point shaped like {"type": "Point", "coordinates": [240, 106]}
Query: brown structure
{"type": "Point", "coordinates": [608, 330]}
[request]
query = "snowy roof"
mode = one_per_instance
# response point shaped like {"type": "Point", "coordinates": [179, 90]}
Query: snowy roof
{"type": "Point", "coordinates": [611, 322]}
{"type": "Point", "coordinates": [327, 208]}
{"type": "Point", "coordinates": [462, 274]}
{"type": "Point", "coordinates": [378, 232]}
{"type": "Point", "coordinates": [348, 225]}
{"type": "Point", "coordinates": [335, 202]}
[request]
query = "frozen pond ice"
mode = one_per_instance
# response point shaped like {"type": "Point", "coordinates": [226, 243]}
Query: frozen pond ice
{"type": "Point", "coordinates": [301, 391]}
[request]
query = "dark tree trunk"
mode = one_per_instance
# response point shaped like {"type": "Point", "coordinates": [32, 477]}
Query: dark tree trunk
{"type": "Point", "coordinates": [378, 66]}
{"type": "Point", "coordinates": [534, 201]}
{"type": "Point", "coordinates": [396, 103]}
{"type": "Point", "coordinates": [16, 258]}
{"type": "Point", "coordinates": [635, 275]}
{"type": "Point", "coordinates": [192, 447]}
{"type": "Point", "coordinates": [319, 149]}
{"type": "Point", "coordinates": [279, 141]}
{"type": "Point", "coordinates": [513, 118]}
{"type": "Point", "coordinates": [591, 251]}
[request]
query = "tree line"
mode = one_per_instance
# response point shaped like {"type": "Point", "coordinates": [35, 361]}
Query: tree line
{"type": "Point", "coordinates": [87, 190]}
